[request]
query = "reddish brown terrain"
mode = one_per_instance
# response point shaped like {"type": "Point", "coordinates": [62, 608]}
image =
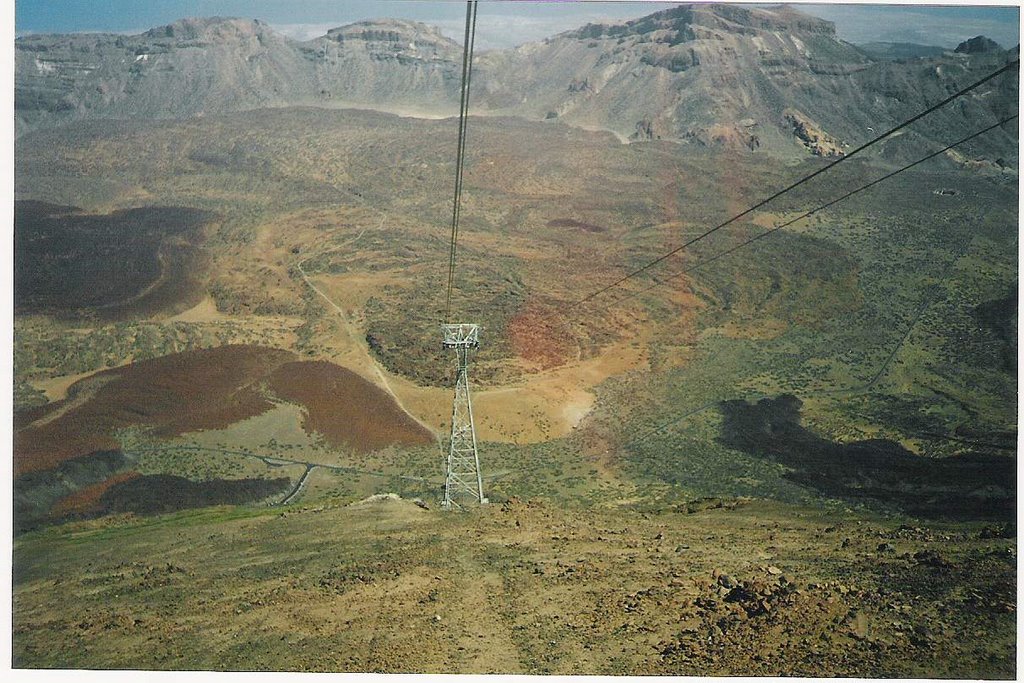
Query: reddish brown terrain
{"type": "Point", "coordinates": [210, 389]}
{"type": "Point", "coordinates": [69, 459]}
{"type": "Point", "coordinates": [538, 334]}
{"type": "Point", "coordinates": [184, 392]}
{"type": "Point", "coordinates": [797, 460]}
{"type": "Point", "coordinates": [345, 408]}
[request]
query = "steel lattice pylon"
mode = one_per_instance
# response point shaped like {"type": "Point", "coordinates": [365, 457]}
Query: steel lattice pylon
{"type": "Point", "coordinates": [462, 470]}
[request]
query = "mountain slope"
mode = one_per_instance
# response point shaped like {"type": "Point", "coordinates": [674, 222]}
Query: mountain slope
{"type": "Point", "coordinates": [705, 73]}
{"type": "Point", "coordinates": [735, 76]}
{"type": "Point", "coordinates": [522, 587]}
{"type": "Point", "coordinates": [768, 80]}
{"type": "Point", "coordinates": [897, 51]}
{"type": "Point", "coordinates": [191, 67]}
{"type": "Point", "coordinates": [399, 63]}
{"type": "Point", "coordinates": [203, 66]}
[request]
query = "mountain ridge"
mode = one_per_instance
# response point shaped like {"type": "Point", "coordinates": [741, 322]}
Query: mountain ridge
{"type": "Point", "coordinates": [748, 79]}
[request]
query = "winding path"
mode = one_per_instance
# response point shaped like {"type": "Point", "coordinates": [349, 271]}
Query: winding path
{"type": "Point", "coordinates": [354, 335]}
{"type": "Point", "coordinates": [298, 486]}
{"type": "Point", "coordinates": [277, 461]}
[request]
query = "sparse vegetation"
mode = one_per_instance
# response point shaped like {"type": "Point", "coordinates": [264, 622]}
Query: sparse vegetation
{"type": "Point", "coordinates": [796, 459]}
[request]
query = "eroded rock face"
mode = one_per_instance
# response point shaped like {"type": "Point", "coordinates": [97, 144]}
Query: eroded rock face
{"type": "Point", "coordinates": [686, 74]}
{"type": "Point", "coordinates": [644, 130]}
{"type": "Point", "coordinates": [704, 73]}
{"type": "Point", "coordinates": [216, 65]}
{"type": "Point", "coordinates": [813, 138]}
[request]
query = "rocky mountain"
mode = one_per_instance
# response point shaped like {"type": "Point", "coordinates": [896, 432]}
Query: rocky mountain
{"type": "Point", "coordinates": [708, 73]}
{"type": "Point", "coordinates": [737, 76]}
{"type": "Point", "coordinates": [188, 68]}
{"type": "Point", "coordinates": [770, 80]}
{"type": "Point", "coordinates": [396, 63]}
{"type": "Point", "coordinates": [217, 65]}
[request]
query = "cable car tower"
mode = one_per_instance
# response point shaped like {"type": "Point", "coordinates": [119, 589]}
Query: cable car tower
{"type": "Point", "coordinates": [462, 470]}
{"type": "Point", "coordinates": [462, 481]}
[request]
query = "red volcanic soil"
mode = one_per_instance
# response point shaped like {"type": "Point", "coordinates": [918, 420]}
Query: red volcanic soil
{"type": "Point", "coordinates": [538, 334]}
{"type": "Point", "coordinates": [204, 389]}
{"type": "Point", "coordinates": [208, 389]}
{"type": "Point", "coordinates": [345, 408]}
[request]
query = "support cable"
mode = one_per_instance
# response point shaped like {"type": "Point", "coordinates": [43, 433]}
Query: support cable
{"type": "Point", "coordinates": [467, 71]}
{"type": "Point", "coordinates": [1011, 65]}
{"type": "Point", "coordinates": [648, 433]}
{"type": "Point", "coordinates": [822, 207]}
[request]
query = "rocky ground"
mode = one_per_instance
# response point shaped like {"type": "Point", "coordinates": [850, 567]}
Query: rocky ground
{"type": "Point", "coordinates": [712, 588]}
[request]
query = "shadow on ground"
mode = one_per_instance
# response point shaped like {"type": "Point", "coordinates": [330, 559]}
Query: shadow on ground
{"type": "Point", "coordinates": [964, 487]}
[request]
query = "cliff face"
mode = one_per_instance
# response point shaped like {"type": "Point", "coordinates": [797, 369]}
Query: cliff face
{"type": "Point", "coordinates": [198, 66]}
{"type": "Point", "coordinates": [761, 80]}
{"type": "Point", "coordinates": [766, 80]}
{"type": "Point", "coordinates": [191, 67]}
{"type": "Point", "coordinates": [398, 63]}
{"type": "Point", "coordinates": [703, 72]}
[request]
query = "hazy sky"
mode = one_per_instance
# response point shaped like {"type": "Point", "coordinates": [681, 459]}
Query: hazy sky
{"type": "Point", "coordinates": [503, 23]}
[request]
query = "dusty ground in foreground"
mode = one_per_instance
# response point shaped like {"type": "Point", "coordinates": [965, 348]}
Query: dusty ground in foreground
{"type": "Point", "coordinates": [524, 587]}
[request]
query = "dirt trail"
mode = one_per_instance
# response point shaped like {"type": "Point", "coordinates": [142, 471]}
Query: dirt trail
{"type": "Point", "coordinates": [363, 360]}
{"type": "Point", "coordinates": [483, 639]}
{"type": "Point", "coordinates": [547, 404]}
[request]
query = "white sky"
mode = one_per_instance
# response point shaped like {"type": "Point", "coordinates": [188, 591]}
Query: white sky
{"type": "Point", "coordinates": [504, 23]}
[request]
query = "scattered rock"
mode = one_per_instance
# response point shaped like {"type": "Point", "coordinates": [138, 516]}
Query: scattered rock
{"type": "Point", "coordinates": [997, 531]}
{"type": "Point", "coordinates": [930, 558]}
{"type": "Point", "coordinates": [921, 636]}
{"type": "Point", "coordinates": [644, 130]}
{"type": "Point", "coordinates": [811, 136]}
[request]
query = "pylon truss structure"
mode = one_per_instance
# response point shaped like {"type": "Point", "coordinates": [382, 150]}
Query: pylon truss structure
{"type": "Point", "coordinates": [462, 482]}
